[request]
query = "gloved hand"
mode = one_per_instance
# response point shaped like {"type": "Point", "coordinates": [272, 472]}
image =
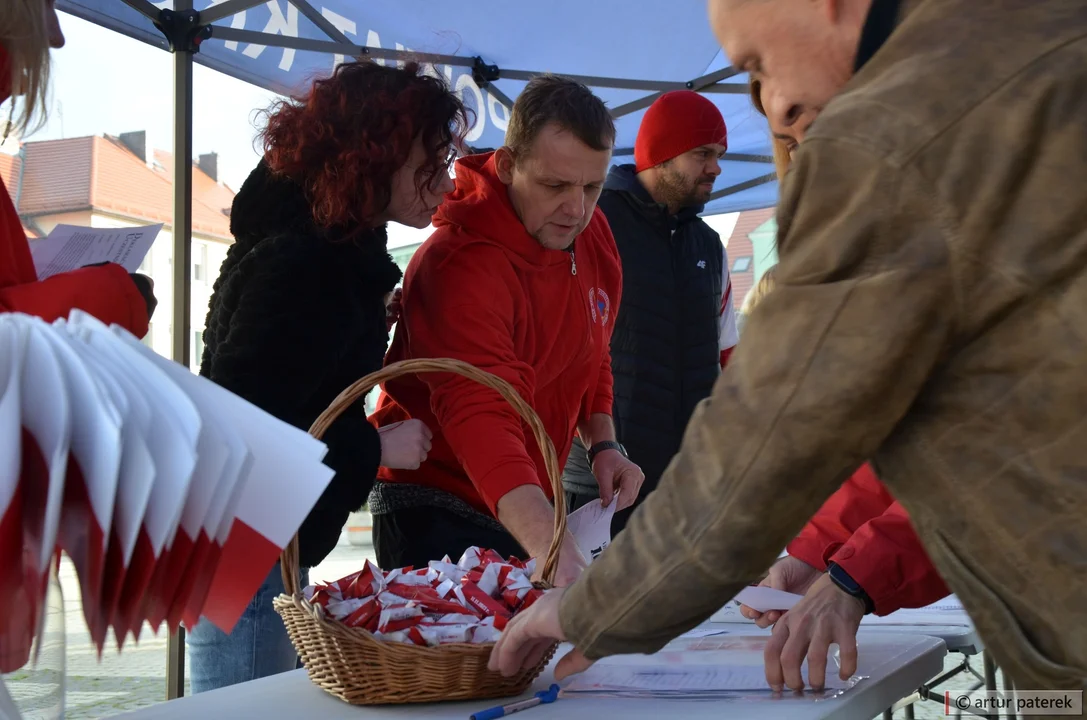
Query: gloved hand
{"type": "Point", "coordinates": [146, 286]}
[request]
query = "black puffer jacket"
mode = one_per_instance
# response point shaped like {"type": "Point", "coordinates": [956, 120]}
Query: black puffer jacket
{"type": "Point", "coordinates": [297, 316]}
{"type": "Point", "coordinates": [665, 347]}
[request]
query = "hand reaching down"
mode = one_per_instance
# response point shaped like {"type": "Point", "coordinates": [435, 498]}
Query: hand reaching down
{"type": "Point", "coordinates": [404, 445]}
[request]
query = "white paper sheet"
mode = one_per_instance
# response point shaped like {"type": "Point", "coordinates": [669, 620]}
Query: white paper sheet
{"type": "Point", "coordinates": [173, 417]}
{"type": "Point", "coordinates": [69, 247]}
{"type": "Point", "coordinates": [702, 633]}
{"type": "Point", "coordinates": [948, 611]}
{"type": "Point", "coordinates": [218, 445]}
{"type": "Point", "coordinates": [96, 430]}
{"type": "Point", "coordinates": [287, 464]}
{"type": "Point", "coordinates": [137, 473]}
{"type": "Point", "coordinates": [46, 412]}
{"type": "Point", "coordinates": [590, 525]}
{"type": "Point", "coordinates": [765, 599]}
{"type": "Point", "coordinates": [682, 675]}
{"type": "Point", "coordinates": [12, 348]}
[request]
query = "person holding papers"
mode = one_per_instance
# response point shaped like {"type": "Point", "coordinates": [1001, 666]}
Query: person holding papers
{"type": "Point", "coordinates": [521, 279]}
{"type": "Point", "coordinates": [299, 309]}
{"type": "Point", "coordinates": [930, 316]}
{"type": "Point", "coordinates": [28, 29]}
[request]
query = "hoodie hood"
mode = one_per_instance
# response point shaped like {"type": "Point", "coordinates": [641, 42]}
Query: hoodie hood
{"type": "Point", "coordinates": [268, 205]}
{"type": "Point", "coordinates": [623, 179]}
{"type": "Point", "coordinates": [271, 206]}
{"type": "Point", "coordinates": [480, 208]}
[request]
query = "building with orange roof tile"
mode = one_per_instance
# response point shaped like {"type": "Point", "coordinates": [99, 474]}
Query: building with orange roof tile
{"type": "Point", "coordinates": [106, 181]}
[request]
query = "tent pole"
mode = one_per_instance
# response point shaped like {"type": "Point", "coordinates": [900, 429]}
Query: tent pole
{"type": "Point", "coordinates": [747, 185]}
{"type": "Point", "coordinates": [182, 277]}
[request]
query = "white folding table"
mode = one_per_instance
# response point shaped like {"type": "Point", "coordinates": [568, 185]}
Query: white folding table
{"type": "Point", "coordinates": [956, 630]}
{"type": "Point", "coordinates": [894, 665]}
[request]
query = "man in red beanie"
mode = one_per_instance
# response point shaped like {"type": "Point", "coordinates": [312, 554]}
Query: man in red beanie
{"type": "Point", "coordinates": [678, 326]}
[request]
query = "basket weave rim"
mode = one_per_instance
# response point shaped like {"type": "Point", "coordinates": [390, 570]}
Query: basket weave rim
{"type": "Point", "coordinates": [358, 389]}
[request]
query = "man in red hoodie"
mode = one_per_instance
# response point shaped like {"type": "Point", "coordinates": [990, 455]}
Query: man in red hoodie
{"type": "Point", "coordinates": [521, 279]}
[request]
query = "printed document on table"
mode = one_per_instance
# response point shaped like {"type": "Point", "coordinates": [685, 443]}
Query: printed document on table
{"type": "Point", "coordinates": [681, 675]}
{"type": "Point", "coordinates": [946, 612]}
{"type": "Point", "coordinates": [70, 247]}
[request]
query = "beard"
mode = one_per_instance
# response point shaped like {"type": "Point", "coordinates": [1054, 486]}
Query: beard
{"type": "Point", "coordinates": [683, 191]}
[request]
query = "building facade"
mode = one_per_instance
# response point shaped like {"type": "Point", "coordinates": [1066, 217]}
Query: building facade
{"type": "Point", "coordinates": [115, 182]}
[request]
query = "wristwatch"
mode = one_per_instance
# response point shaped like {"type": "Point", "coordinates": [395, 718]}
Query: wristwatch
{"type": "Point", "coordinates": [605, 445]}
{"type": "Point", "coordinates": [849, 586]}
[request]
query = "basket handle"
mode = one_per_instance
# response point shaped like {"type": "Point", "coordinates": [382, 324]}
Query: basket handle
{"type": "Point", "coordinates": [289, 559]}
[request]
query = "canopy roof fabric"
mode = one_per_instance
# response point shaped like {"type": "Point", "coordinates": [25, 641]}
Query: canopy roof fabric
{"type": "Point", "coordinates": [627, 51]}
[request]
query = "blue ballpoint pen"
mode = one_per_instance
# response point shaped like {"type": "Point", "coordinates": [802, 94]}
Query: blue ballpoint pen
{"type": "Point", "coordinates": [542, 697]}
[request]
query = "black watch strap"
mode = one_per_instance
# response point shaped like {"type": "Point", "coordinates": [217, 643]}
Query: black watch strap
{"type": "Point", "coordinates": [605, 445]}
{"type": "Point", "coordinates": [849, 586]}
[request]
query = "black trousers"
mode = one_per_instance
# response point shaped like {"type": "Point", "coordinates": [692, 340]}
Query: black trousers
{"type": "Point", "coordinates": [618, 521]}
{"type": "Point", "coordinates": [419, 535]}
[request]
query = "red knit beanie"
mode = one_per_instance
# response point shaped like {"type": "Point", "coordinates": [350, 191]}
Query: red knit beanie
{"type": "Point", "coordinates": [678, 121]}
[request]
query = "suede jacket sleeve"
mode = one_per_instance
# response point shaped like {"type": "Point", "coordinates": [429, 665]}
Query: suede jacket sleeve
{"type": "Point", "coordinates": [831, 361]}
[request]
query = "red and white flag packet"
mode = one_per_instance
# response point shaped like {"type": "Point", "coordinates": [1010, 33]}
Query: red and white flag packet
{"type": "Point", "coordinates": [465, 602]}
{"type": "Point", "coordinates": [172, 496]}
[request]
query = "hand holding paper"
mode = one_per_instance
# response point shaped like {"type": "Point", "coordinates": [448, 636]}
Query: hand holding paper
{"type": "Point", "coordinates": [591, 527]}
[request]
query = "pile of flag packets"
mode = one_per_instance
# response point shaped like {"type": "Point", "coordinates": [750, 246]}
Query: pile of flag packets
{"type": "Point", "coordinates": [467, 602]}
{"type": "Point", "coordinates": [173, 497]}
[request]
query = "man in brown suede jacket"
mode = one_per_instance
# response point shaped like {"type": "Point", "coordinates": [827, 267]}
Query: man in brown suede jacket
{"type": "Point", "coordinates": [931, 314]}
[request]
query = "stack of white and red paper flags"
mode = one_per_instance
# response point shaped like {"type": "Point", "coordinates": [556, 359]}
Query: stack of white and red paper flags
{"type": "Point", "coordinates": [173, 497]}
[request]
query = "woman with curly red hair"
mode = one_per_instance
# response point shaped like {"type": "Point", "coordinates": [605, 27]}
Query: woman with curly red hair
{"type": "Point", "coordinates": [299, 309]}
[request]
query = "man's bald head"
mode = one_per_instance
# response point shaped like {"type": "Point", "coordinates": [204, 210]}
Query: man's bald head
{"type": "Point", "coordinates": [801, 51]}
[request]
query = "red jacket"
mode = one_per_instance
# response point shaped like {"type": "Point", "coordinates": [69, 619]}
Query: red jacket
{"type": "Point", "coordinates": [105, 291]}
{"type": "Point", "coordinates": [862, 529]}
{"type": "Point", "coordinates": [482, 290]}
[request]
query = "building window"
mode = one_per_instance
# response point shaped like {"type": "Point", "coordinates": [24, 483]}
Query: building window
{"type": "Point", "coordinates": [200, 263]}
{"type": "Point", "coordinates": [742, 264]}
{"type": "Point", "coordinates": [197, 349]}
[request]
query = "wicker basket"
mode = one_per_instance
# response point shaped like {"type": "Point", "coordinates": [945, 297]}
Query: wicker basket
{"type": "Point", "coordinates": [352, 664]}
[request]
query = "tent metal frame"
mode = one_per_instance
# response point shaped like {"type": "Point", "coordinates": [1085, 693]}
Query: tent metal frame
{"type": "Point", "coordinates": [185, 29]}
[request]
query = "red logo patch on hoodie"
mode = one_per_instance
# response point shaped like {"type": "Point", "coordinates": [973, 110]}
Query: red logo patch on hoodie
{"type": "Point", "coordinates": [600, 303]}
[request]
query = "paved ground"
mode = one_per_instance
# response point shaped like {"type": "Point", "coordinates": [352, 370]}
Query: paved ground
{"type": "Point", "coordinates": [136, 678]}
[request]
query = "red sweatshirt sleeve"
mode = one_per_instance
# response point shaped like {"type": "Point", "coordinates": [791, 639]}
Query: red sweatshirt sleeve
{"type": "Point", "coordinates": [603, 400]}
{"type": "Point", "coordinates": [886, 558]}
{"type": "Point", "coordinates": [106, 292]}
{"type": "Point", "coordinates": [861, 498]}
{"type": "Point", "coordinates": [455, 309]}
